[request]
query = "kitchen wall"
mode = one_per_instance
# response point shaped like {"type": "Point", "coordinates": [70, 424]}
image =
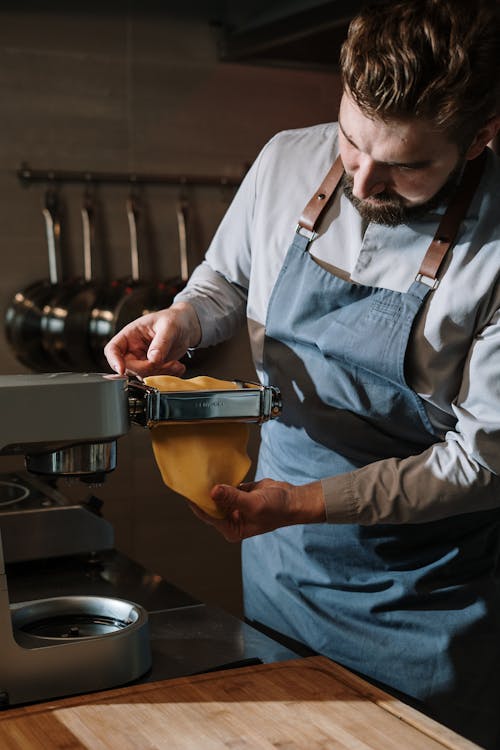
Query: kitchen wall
{"type": "Point", "coordinates": [136, 87]}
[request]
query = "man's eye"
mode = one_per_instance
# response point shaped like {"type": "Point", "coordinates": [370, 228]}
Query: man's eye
{"type": "Point", "coordinates": [411, 167]}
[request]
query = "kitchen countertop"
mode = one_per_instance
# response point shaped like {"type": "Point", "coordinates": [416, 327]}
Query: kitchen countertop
{"type": "Point", "coordinates": [308, 703]}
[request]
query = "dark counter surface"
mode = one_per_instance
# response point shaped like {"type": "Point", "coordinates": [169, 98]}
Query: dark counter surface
{"type": "Point", "coordinates": [187, 636]}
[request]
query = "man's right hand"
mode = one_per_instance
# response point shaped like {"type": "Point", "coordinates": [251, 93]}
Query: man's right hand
{"type": "Point", "coordinates": [154, 343]}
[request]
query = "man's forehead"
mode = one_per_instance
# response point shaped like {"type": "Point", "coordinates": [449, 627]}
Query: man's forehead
{"type": "Point", "coordinates": [404, 136]}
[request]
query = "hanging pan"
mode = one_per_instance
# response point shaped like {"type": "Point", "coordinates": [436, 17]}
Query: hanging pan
{"type": "Point", "coordinates": [177, 283]}
{"type": "Point", "coordinates": [164, 292]}
{"type": "Point", "coordinates": [122, 300]}
{"type": "Point", "coordinates": [64, 322]}
{"type": "Point", "coordinates": [24, 313]}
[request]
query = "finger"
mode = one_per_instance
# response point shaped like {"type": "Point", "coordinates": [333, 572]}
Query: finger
{"type": "Point", "coordinates": [247, 486]}
{"type": "Point", "coordinates": [228, 499]}
{"type": "Point", "coordinates": [222, 525]}
{"type": "Point", "coordinates": [128, 346]}
{"type": "Point", "coordinates": [174, 367]}
{"type": "Point", "coordinates": [142, 368]}
{"type": "Point", "coordinates": [223, 493]}
{"type": "Point", "coordinates": [116, 355]}
{"type": "Point", "coordinates": [160, 345]}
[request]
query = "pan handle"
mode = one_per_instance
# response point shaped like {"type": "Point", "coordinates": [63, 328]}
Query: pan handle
{"type": "Point", "coordinates": [53, 232]}
{"type": "Point", "coordinates": [88, 234]}
{"type": "Point", "coordinates": [182, 210]}
{"type": "Point", "coordinates": [133, 218]}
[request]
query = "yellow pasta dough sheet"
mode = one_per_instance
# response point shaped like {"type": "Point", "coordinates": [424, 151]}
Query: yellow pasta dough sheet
{"type": "Point", "coordinates": [192, 458]}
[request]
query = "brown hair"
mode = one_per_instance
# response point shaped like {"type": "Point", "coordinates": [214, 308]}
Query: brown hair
{"type": "Point", "coordinates": [432, 59]}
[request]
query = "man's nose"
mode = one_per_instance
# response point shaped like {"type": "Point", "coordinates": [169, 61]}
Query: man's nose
{"type": "Point", "coordinates": [368, 179]}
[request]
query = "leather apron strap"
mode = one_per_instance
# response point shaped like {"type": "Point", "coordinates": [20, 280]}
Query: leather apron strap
{"type": "Point", "coordinates": [448, 226]}
{"type": "Point", "coordinates": [314, 209]}
{"type": "Point", "coordinates": [450, 223]}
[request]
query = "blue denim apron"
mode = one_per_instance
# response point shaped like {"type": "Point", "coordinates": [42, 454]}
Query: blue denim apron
{"type": "Point", "coordinates": [412, 606]}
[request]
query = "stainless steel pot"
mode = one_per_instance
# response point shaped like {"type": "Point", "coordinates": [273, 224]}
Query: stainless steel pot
{"type": "Point", "coordinates": [64, 323]}
{"type": "Point", "coordinates": [25, 310]}
{"type": "Point", "coordinates": [121, 300]}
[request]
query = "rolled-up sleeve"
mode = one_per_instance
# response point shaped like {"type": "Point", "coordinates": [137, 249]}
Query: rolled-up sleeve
{"type": "Point", "coordinates": [219, 304]}
{"type": "Point", "coordinates": [457, 475]}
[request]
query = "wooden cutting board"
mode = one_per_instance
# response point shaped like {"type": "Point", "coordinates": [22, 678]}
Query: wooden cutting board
{"type": "Point", "coordinates": [305, 704]}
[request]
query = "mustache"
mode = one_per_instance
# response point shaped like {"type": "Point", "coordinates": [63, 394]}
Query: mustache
{"type": "Point", "coordinates": [382, 208]}
{"type": "Point", "coordinates": [391, 209]}
{"type": "Point", "coordinates": [383, 199]}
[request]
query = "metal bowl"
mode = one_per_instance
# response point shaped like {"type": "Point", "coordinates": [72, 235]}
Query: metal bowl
{"type": "Point", "coordinates": [12, 492]}
{"type": "Point", "coordinates": [66, 617]}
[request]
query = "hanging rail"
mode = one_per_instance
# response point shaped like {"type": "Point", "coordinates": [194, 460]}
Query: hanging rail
{"type": "Point", "coordinates": [27, 175]}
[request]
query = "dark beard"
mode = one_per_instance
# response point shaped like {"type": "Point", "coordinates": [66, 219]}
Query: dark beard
{"type": "Point", "coordinates": [389, 209]}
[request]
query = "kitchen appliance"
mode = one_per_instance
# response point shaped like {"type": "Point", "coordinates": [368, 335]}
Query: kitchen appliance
{"type": "Point", "coordinates": [68, 644]}
{"type": "Point", "coordinates": [68, 424]}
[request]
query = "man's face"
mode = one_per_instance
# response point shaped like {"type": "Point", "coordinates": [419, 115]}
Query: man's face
{"type": "Point", "coordinates": [395, 170]}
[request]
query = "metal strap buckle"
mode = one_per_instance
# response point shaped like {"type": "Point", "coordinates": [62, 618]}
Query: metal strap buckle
{"type": "Point", "coordinates": [308, 233]}
{"type": "Point", "coordinates": [427, 280]}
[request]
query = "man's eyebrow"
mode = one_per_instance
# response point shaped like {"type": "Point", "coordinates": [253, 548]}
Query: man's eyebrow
{"type": "Point", "coordinates": [412, 164]}
{"type": "Point", "coordinates": [346, 136]}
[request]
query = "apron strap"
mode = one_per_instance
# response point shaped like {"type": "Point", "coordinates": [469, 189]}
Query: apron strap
{"type": "Point", "coordinates": [312, 212]}
{"type": "Point", "coordinates": [448, 226]}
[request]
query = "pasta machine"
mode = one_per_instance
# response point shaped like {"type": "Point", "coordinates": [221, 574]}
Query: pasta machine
{"type": "Point", "coordinates": [68, 424]}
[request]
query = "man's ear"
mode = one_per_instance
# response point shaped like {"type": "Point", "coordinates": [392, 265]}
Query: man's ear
{"type": "Point", "coordinates": [483, 136]}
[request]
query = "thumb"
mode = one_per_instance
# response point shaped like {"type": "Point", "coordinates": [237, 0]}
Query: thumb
{"type": "Point", "coordinates": [226, 496]}
{"type": "Point", "coordinates": [160, 345]}
{"type": "Point", "coordinates": [166, 346]}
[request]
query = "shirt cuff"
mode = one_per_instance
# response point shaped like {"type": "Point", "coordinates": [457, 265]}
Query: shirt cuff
{"type": "Point", "coordinates": [340, 499]}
